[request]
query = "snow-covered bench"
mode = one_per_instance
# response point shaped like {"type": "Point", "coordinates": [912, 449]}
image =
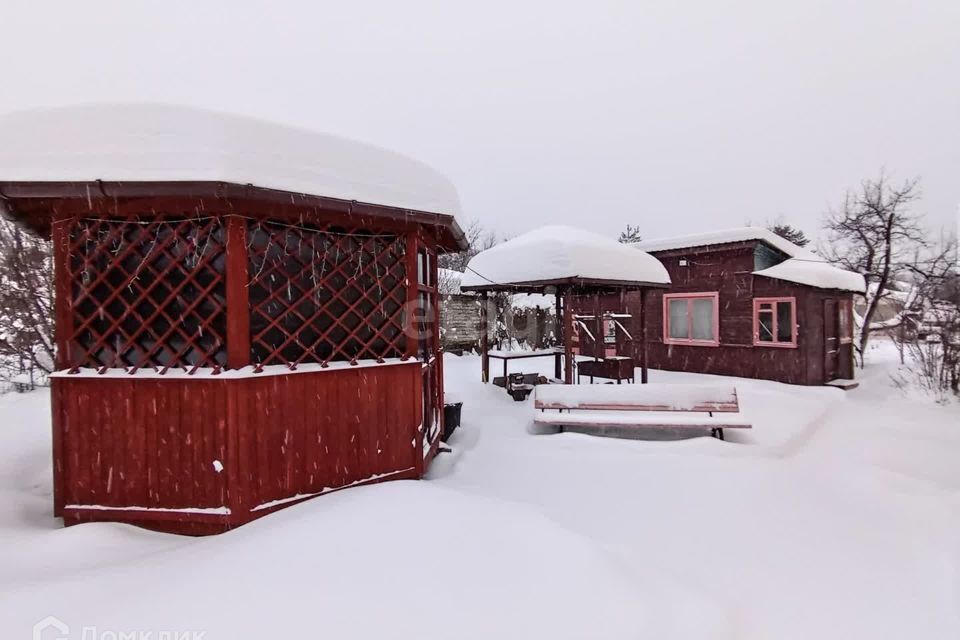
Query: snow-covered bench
{"type": "Point", "coordinates": [674, 406]}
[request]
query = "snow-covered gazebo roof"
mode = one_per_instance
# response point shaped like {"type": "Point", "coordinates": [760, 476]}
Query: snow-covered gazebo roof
{"type": "Point", "coordinates": [559, 255]}
{"type": "Point", "coordinates": [118, 147]}
{"type": "Point", "coordinates": [150, 142]}
{"type": "Point", "coordinates": [802, 266]}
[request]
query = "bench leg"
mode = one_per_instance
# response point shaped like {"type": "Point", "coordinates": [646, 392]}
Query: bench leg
{"type": "Point", "coordinates": [717, 433]}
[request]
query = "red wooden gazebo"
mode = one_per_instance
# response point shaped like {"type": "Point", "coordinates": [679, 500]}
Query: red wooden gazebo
{"type": "Point", "coordinates": [244, 312]}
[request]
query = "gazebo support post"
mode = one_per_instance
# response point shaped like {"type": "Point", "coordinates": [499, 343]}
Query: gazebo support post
{"type": "Point", "coordinates": [643, 336]}
{"type": "Point", "coordinates": [567, 337]}
{"type": "Point", "coordinates": [238, 296]}
{"type": "Point", "coordinates": [558, 328]}
{"type": "Point", "coordinates": [598, 344]}
{"type": "Point", "coordinates": [484, 340]}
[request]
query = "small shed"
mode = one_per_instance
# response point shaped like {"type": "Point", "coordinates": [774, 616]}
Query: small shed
{"type": "Point", "coordinates": [245, 312]}
{"type": "Point", "coordinates": [746, 302]}
{"type": "Point", "coordinates": [565, 262]}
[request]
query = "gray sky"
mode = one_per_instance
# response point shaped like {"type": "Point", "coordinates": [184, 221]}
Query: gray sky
{"type": "Point", "coordinates": [677, 116]}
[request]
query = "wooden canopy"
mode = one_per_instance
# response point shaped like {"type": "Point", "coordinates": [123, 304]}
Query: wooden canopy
{"type": "Point", "coordinates": [564, 289]}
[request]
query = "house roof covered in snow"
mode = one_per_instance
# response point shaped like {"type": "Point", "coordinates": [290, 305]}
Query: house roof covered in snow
{"type": "Point", "coordinates": [801, 267]}
{"type": "Point", "coordinates": [815, 273]}
{"type": "Point", "coordinates": [562, 255]}
{"type": "Point", "coordinates": [724, 236]}
{"type": "Point", "coordinates": [136, 143]}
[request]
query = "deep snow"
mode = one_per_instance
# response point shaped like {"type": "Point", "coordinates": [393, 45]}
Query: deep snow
{"type": "Point", "coordinates": [837, 516]}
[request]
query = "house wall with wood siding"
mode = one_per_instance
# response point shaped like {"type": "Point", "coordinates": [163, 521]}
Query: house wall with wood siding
{"type": "Point", "coordinates": [728, 270]}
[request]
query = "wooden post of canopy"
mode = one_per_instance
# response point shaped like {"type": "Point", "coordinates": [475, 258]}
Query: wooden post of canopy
{"type": "Point", "coordinates": [599, 346]}
{"type": "Point", "coordinates": [567, 337]}
{"type": "Point", "coordinates": [643, 336]}
{"type": "Point", "coordinates": [558, 328]}
{"type": "Point", "coordinates": [484, 341]}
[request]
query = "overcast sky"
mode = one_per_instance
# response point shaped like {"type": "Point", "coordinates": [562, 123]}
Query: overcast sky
{"type": "Point", "coordinates": [677, 116]}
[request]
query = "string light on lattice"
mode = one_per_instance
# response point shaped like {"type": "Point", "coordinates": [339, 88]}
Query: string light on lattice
{"type": "Point", "coordinates": [337, 310]}
{"type": "Point", "coordinates": [146, 294]}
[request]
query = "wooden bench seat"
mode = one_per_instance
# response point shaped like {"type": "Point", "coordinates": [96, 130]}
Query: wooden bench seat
{"type": "Point", "coordinates": [673, 406]}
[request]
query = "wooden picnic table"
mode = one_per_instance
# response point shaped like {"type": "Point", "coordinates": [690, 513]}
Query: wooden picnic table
{"type": "Point", "coordinates": [507, 356]}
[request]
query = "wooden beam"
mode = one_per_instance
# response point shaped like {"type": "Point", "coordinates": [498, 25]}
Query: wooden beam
{"type": "Point", "coordinates": [567, 337]}
{"type": "Point", "coordinates": [484, 340]}
{"type": "Point", "coordinates": [63, 296]}
{"type": "Point", "coordinates": [558, 328]}
{"type": "Point", "coordinates": [598, 345]}
{"type": "Point", "coordinates": [238, 296]}
{"type": "Point", "coordinates": [643, 336]}
{"type": "Point", "coordinates": [411, 317]}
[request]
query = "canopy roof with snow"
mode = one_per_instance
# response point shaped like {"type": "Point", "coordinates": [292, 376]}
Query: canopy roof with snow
{"type": "Point", "coordinates": [802, 266]}
{"type": "Point", "coordinates": [138, 143]}
{"type": "Point", "coordinates": [558, 255]}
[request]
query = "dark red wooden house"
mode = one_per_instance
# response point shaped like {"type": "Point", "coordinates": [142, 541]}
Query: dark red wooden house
{"type": "Point", "coordinates": [244, 312]}
{"type": "Point", "coordinates": [745, 302]}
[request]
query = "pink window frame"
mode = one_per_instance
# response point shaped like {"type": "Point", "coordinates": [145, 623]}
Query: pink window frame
{"type": "Point", "coordinates": [845, 307]}
{"type": "Point", "coordinates": [793, 323]}
{"type": "Point", "coordinates": [710, 295]}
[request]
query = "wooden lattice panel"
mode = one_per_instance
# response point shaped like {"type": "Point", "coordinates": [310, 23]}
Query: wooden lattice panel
{"type": "Point", "coordinates": [147, 294]}
{"type": "Point", "coordinates": [318, 295]}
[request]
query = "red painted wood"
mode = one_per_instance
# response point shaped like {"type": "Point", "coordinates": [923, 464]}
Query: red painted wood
{"type": "Point", "coordinates": [238, 299]}
{"type": "Point", "coordinates": [567, 336]}
{"type": "Point", "coordinates": [728, 270]}
{"type": "Point", "coordinates": [310, 432]}
{"type": "Point", "coordinates": [409, 327]}
{"type": "Point", "coordinates": [57, 447]}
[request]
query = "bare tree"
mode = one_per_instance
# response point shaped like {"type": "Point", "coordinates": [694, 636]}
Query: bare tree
{"type": "Point", "coordinates": [26, 301]}
{"type": "Point", "coordinates": [934, 347]}
{"type": "Point", "coordinates": [478, 239]}
{"type": "Point", "coordinates": [874, 233]}
{"type": "Point", "coordinates": [630, 235]}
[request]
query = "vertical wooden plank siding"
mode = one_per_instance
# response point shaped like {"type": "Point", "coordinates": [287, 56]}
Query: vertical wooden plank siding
{"type": "Point", "coordinates": [238, 298]}
{"type": "Point", "coordinates": [148, 446]}
{"type": "Point", "coordinates": [59, 425]}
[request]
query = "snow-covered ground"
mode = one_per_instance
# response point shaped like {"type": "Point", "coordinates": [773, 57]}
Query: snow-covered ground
{"type": "Point", "coordinates": [837, 516]}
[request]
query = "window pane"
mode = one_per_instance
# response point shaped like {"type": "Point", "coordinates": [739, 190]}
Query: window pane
{"type": "Point", "coordinates": [678, 318]}
{"type": "Point", "coordinates": [765, 332]}
{"type": "Point", "coordinates": [784, 322]}
{"type": "Point", "coordinates": [421, 268]}
{"type": "Point", "coordinates": [703, 319]}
